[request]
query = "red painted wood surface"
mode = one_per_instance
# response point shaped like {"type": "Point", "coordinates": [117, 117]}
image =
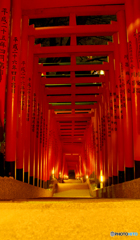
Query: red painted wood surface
{"type": "Point", "coordinates": [72, 126]}
{"type": "Point", "coordinates": [4, 30]}
{"type": "Point", "coordinates": [13, 81]}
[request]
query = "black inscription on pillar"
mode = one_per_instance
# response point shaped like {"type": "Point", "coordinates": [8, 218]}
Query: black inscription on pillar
{"type": "Point", "coordinates": [37, 121]}
{"type": "Point", "coordinates": [22, 85]}
{"type": "Point", "coordinates": [115, 112]}
{"type": "Point", "coordinates": [43, 133]}
{"type": "Point", "coordinates": [14, 70]}
{"type": "Point", "coordinates": [3, 41]}
{"type": "Point", "coordinates": [109, 123]}
{"type": "Point", "coordinates": [116, 103]}
{"type": "Point", "coordinates": [28, 99]}
{"type": "Point", "coordinates": [41, 121]}
{"type": "Point", "coordinates": [33, 112]}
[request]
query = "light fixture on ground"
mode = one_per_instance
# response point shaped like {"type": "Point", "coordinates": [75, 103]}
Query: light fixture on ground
{"type": "Point", "coordinates": [53, 173]}
{"type": "Point", "coordinates": [102, 72]}
{"type": "Point", "coordinates": [101, 180]}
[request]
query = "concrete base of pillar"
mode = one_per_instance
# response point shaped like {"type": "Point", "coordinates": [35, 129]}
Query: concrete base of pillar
{"type": "Point", "coordinates": [98, 183]}
{"type": "Point", "coordinates": [137, 169]}
{"type": "Point", "coordinates": [26, 177]}
{"type": "Point", "coordinates": [109, 181]}
{"type": "Point", "coordinates": [106, 183]}
{"type": "Point", "coordinates": [129, 174]}
{"type": "Point", "coordinates": [1, 165]}
{"type": "Point", "coordinates": [120, 176]}
{"type": "Point", "coordinates": [10, 169]}
{"type": "Point", "coordinates": [31, 180]}
{"type": "Point", "coordinates": [115, 180]}
{"type": "Point", "coordinates": [19, 174]}
{"type": "Point", "coordinates": [40, 183]}
{"type": "Point", "coordinates": [36, 182]}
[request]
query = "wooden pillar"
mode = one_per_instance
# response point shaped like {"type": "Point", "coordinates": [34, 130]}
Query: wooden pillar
{"type": "Point", "coordinates": [127, 103]}
{"type": "Point", "coordinates": [106, 136]}
{"type": "Point", "coordinates": [43, 140]}
{"type": "Point", "coordinates": [119, 112]}
{"type": "Point", "coordinates": [97, 146]}
{"type": "Point", "coordinates": [29, 93]}
{"type": "Point", "coordinates": [37, 134]}
{"type": "Point", "coordinates": [41, 136]}
{"type": "Point", "coordinates": [48, 149]}
{"type": "Point", "coordinates": [12, 88]}
{"type": "Point", "coordinates": [100, 138]}
{"type": "Point", "coordinates": [34, 119]}
{"type": "Point", "coordinates": [112, 114]}
{"type": "Point", "coordinates": [4, 30]}
{"type": "Point", "coordinates": [108, 131]}
{"type": "Point", "coordinates": [46, 135]}
{"type": "Point", "coordinates": [22, 95]}
{"type": "Point", "coordinates": [135, 81]}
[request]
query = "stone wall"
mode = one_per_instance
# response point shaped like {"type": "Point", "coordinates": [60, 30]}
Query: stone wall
{"type": "Point", "coordinates": [13, 189]}
{"type": "Point", "coordinates": [129, 189]}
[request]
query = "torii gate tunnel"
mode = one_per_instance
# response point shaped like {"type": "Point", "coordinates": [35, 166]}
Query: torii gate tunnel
{"type": "Point", "coordinates": [69, 116]}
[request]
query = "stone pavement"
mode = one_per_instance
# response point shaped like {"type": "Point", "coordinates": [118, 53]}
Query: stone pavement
{"type": "Point", "coordinates": [78, 219]}
{"type": "Point", "coordinates": [78, 193]}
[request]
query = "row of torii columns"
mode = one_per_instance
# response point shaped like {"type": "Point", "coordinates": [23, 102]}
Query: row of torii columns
{"type": "Point", "coordinates": [117, 154]}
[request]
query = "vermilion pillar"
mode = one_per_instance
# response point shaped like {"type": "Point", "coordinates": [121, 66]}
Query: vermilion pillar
{"type": "Point", "coordinates": [63, 162]}
{"type": "Point", "coordinates": [22, 94]}
{"type": "Point", "coordinates": [127, 104]}
{"type": "Point", "coordinates": [12, 88]}
{"type": "Point", "coordinates": [133, 29]}
{"type": "Point", "coordinates": [97, 146]}
{"type": "Point", "coordinates": [33, 122]}
{"type": "Point", "coordinates": [119, 112]}
{"type": "Point", "coordinates": [113, 120]}
{"type": "Point", "coordinates": [43, 139]}
{"type": "Point", "coordinates": [4, 30]}
{"type": "Point", "coordinates": [37, 135]}
{"type": "Point", "coordinates": [100, 137]}
{"type": "Point", "coordinates": [93, 147]}
{"type": "Point", "coordinates": [94, 144]}
{"type": "Point", "coordinates": [108, 131]}
{"type": "Point", "coordinates": [40, 137]}
{"type": "Point", "coordinates": [105, 136]}
{"type": "Point", "coordinates": [29, 93]}
{"type": "Point", "coordinates": [49, 149]}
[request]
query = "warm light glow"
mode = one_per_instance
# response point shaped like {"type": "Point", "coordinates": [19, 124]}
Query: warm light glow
{"type": "Point", "coordinates": [102, 72]}
{"type": "Point", "coordinates": [89, 57]}
{"type": "Point", "coordinates": [86, 176]}
{"type": "Point", "coordinates": [101, 177]}
{"type": "Point", "coordinates": [65, 176]}
{"type": "Point", "coordinates": [43, 74]}
{"type": "Point", "coordinates": [53, 171]}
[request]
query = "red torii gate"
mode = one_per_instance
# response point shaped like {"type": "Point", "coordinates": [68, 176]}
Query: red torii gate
{"type": "Point", "coordinates": [34, 140]}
